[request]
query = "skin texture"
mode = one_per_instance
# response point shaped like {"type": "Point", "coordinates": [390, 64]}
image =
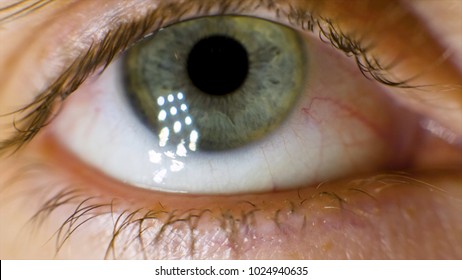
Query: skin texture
{"type": "Point", "coordinates": [52, 205]}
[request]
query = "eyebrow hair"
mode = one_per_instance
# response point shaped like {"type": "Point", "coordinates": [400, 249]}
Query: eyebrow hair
{"type": "Point", "coordinates": [22, 8]}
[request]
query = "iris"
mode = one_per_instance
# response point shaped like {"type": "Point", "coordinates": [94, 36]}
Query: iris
{"type": "Point", "coordinates": [215, 83]}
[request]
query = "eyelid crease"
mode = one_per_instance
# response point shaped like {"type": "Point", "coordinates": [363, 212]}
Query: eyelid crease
{"type": "Point", "coordinates": [22, 8]}
{"type": "Point", "coordinates": [39, 112]}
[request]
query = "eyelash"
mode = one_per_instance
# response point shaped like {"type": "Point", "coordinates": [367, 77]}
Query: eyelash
{"type": "Point", "coordinates": [39, 112]}
{"type": "Point", "coordinates": [137, 227]}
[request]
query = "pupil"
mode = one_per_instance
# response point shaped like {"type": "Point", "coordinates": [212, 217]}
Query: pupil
{"type": "Point", "coordinates": [218, 65]}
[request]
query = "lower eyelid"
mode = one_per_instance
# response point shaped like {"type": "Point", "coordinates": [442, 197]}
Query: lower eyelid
{"type": "Point", "coordinates": [355, 211]}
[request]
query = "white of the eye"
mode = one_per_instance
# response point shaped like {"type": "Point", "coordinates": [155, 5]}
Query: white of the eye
{"type": "Point", "coordinates": [111, 138]}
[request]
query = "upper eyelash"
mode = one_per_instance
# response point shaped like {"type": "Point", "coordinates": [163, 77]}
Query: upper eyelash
{"type": "Point", "coordinates": [39, 112]}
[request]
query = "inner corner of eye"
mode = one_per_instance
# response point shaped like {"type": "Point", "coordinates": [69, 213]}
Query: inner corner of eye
{"type": "Point", "coordinates": [196, 107]}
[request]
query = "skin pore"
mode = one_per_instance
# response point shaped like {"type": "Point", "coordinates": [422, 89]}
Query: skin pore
{"type": "Point", "coordinates": [52, 205]}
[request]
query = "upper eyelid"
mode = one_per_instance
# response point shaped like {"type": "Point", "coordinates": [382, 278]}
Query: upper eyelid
{"type": "Point", "coordinates": [114, 41]}
{"type": "Point", "coordinates": [19, 9]}
{"type": "Point", "coordinates": [299, 14]}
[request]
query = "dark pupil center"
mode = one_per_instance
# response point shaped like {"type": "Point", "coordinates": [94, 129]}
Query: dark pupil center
{"type": "Point", "coordinates": [218, 65]}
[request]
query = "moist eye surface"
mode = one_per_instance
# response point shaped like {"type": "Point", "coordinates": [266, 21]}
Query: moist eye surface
{"type": "Point", "coordinates": [215, 83]}
{"type": "Point", "coordinates": [230, 105]}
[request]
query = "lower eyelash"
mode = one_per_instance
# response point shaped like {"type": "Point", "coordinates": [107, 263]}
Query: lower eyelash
{"type": "Point", "coordinates": [144, 232]}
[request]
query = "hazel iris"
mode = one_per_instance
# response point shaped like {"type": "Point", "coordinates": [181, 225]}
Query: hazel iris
{"type": "Point", "coordinates": [215, 83]}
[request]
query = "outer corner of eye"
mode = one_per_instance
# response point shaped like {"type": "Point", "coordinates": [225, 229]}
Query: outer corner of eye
{"type": "Point", "coordinates": [215, 105]}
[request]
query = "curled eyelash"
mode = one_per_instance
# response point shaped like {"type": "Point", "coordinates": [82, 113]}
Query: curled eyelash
{"type": "Point", "coordinates": [368, 65]}
{"type": "Point", "coordinates": [39, 113]}
{"type": "Point", "coordinates": [329, 32]}
{"type": "Point", "coordinates": [42, 110]}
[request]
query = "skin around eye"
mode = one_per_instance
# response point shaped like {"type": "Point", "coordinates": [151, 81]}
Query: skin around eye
{"type": "Point", "coordinates": [368, 216]}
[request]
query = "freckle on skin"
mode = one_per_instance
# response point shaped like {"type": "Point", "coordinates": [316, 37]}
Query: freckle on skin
{"type": "Point", "coordinates": [327, 246]}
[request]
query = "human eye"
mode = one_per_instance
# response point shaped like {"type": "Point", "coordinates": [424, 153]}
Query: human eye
{"type": "Point", "coordinates": [82, 189]}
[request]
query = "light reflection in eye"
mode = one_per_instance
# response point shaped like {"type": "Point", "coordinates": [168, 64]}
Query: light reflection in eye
{"type": "Point", "coordinates": [167, 141]}
{"type": "Point", "coordinates": [161, 101]}
{"type": "Point", "coordinates": [163, 136]}
{"type": "Point", "coordinates": [162, 115]}
{"type": "Point", "coordinates": [181, 149]}
{"type": "Point", "coordinates": [177, 127]}
{"type": "Point", "coordinates": [182, 125]}
{"type": "Point", "coordinates": [155, 157]}
{"type": "Point", "coordinates": [159, 175]}
{"type": "Point", "coordinates": [194, 136]}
